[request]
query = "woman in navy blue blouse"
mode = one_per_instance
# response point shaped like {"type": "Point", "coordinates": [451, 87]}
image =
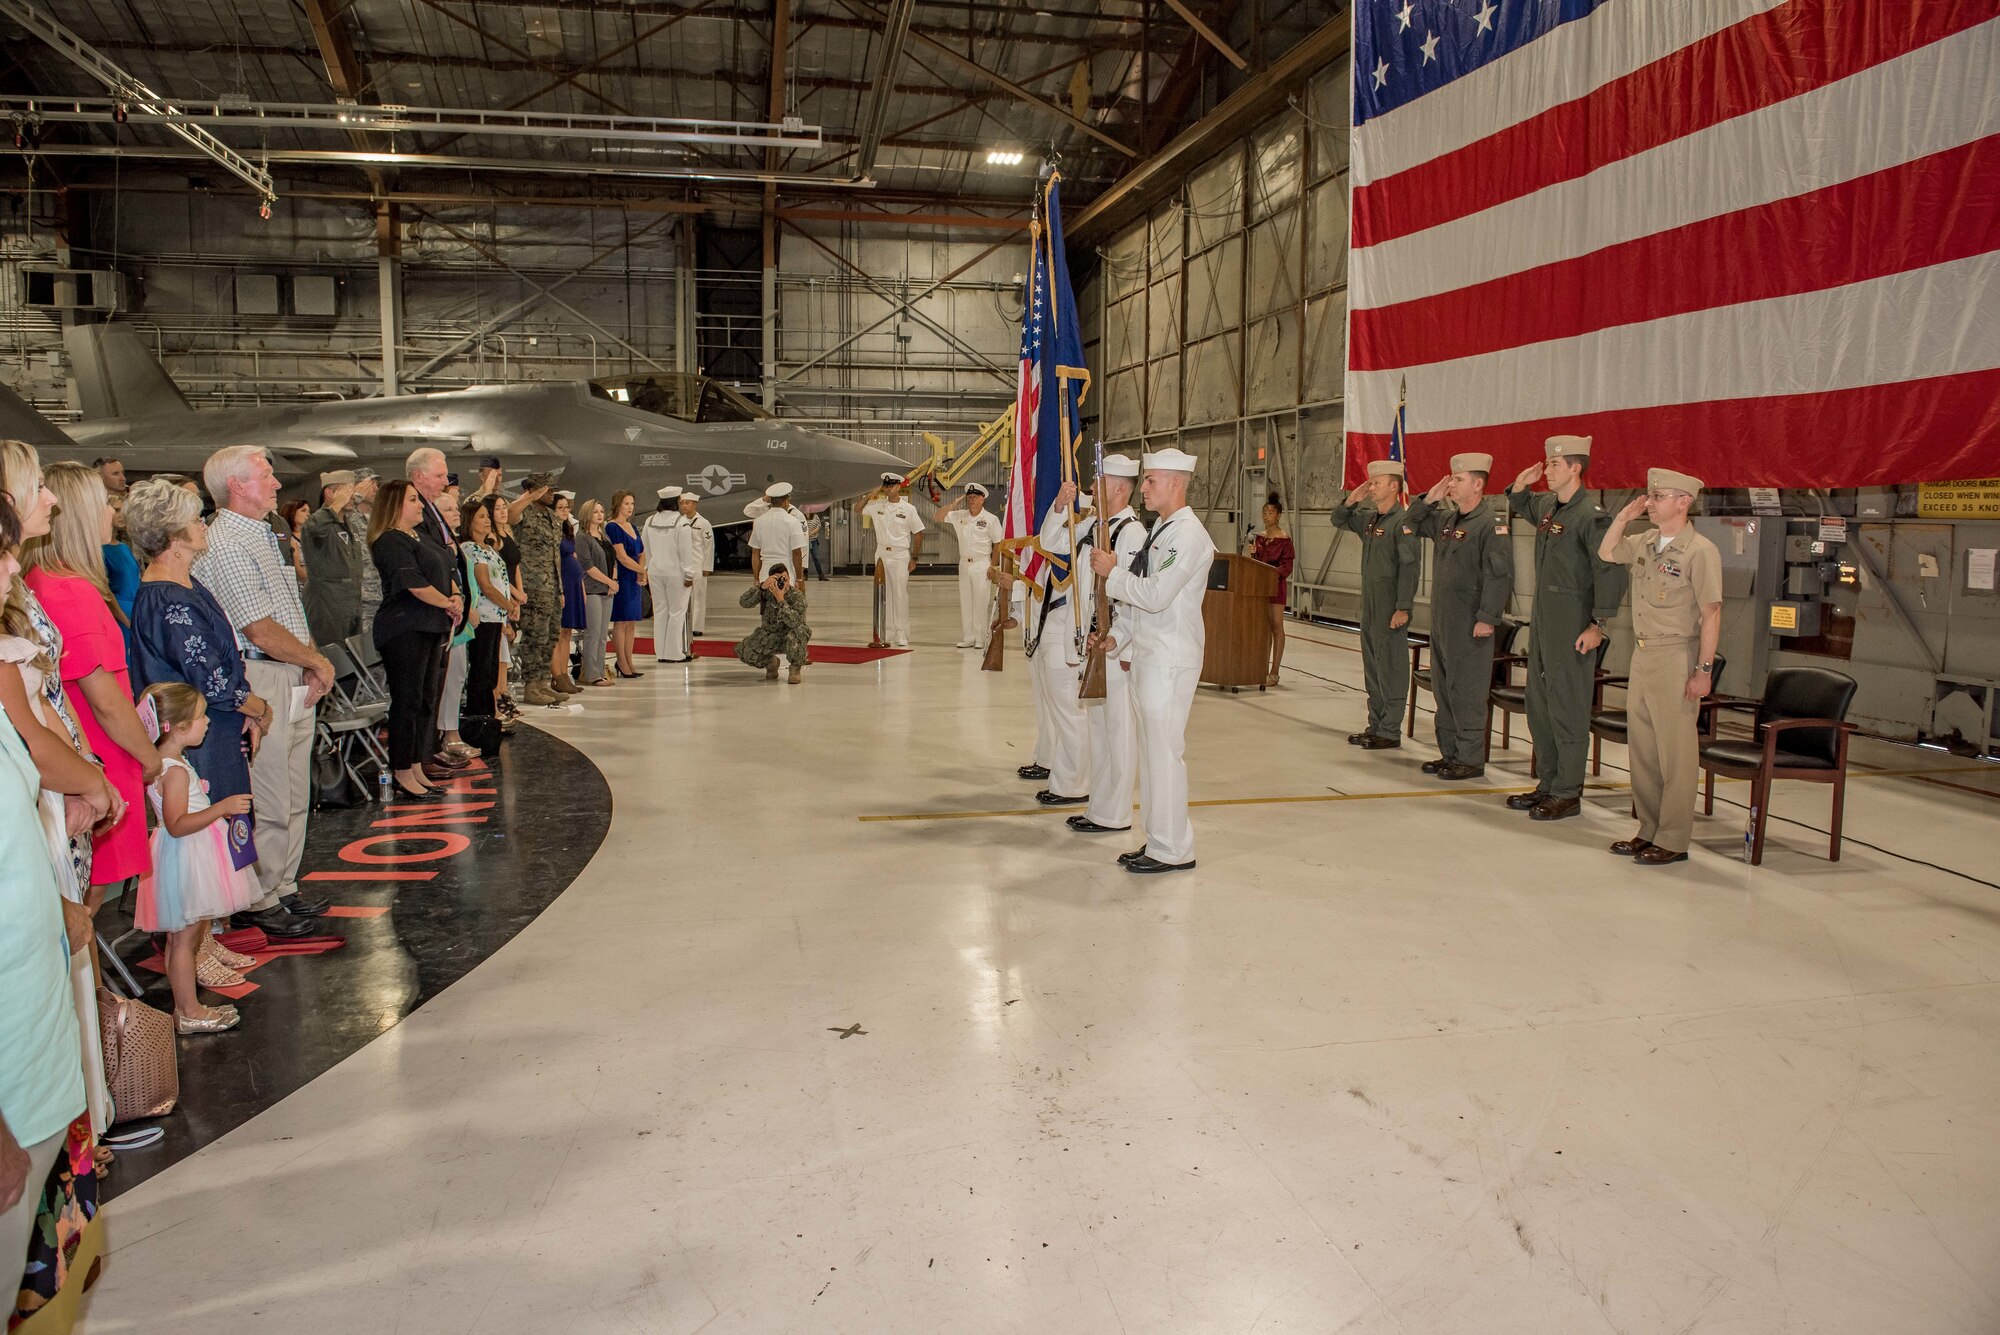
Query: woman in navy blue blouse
{"type": "Point", "coordinates": [180, 633]}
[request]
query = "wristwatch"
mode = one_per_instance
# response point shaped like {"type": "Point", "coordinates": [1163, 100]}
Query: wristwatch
{"type": "Point", "coordinates": [1704, 667]}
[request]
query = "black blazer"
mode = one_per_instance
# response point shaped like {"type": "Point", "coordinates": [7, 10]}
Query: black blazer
{"type": "Point", "coordinates": [406, 563]}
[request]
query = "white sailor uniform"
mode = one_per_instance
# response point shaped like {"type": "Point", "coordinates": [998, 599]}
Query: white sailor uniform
{"type": "Point", "coordinates": [704, 537]}
{"type": "Point", "coordinates": [895, 524]}
{"type": "Point", "coordinates": [1054, 668]}
{"type": "Point", "coordinates": [976, 536]}
{"type": "Point", "coordinates": [1161, 591]}
{"type": "Point", "coordinates": [1114, 755]}
{"type": "Point", "coordinates": [670, 563]}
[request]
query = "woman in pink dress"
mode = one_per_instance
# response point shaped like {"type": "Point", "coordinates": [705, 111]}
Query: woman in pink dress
{"type": "Point", "coordinates": [67, 576]}
{"type": "Point", "coordinates": [1274, 548]}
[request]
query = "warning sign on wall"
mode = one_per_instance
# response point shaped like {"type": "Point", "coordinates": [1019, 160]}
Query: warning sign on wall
{"type": "Point", "coordinates": [1959, 500]}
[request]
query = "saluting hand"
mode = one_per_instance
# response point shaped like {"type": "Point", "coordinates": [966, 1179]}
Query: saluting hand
{"type": "Point", "coordinates": [1633, 509]}
{"type": "Point", "coordinates": [1529, 476]}
{"type": "Point", "coordinates": [1356, 496]}
{"type": "Point", "coordinates": [1438, 489]}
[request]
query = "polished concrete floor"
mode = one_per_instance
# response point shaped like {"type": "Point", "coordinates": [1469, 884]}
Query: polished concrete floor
{"type": "Point", "coordinates": [1391, 1060]}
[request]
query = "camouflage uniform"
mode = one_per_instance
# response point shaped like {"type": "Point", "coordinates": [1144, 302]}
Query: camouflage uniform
{"type": "Point", "coordinates": [540, 537]}
{"type": "Point", "coordinates": [371, 579]}
{"type": "Point", "coordinates": [784, 630]}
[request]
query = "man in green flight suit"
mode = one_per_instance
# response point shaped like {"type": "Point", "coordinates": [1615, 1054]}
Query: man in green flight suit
{"type": "Point", "coordinates": [1472, 576]}
{"type": "Point", "coordinates": [1577, 592]}
{"type": "Point", "coordinates": [1390, 566]}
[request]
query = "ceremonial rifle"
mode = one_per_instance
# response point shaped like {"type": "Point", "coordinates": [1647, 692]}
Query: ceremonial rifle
{"type": "Point", "coordinates": [1092, 687]}
{"type": "Point", "coordinates": [1003, 620]}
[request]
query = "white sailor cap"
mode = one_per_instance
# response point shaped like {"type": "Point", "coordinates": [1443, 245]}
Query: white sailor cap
{"type": "Point", "coordinates": [777, 489]}
{"type": "Point", "coordinates": [1120, 465]}
{"type": "Point", "coordinates": [667, 493]}
{"type": "Point", "coordinates": [974, 489]}
{"type": "Point", "coordinates": [893, 479]}
{"type": "Point", "coordinates": [1168, 461]}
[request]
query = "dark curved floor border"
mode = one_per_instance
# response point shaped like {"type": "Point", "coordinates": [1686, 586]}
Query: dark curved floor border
{"type": "Point", "coordinates": [551, 811]}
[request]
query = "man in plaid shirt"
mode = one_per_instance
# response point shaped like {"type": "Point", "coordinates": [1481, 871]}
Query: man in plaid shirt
{"type": "Point", "coordinates": [251, 578]}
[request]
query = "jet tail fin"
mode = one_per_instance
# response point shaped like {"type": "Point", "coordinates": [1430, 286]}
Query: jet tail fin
{"type": "Point", "coordinates": [20, 421]}
{"type": "Point", "coordinates": [117, 375]}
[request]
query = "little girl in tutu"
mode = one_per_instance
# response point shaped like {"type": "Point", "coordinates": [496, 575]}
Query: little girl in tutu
{"type": "Point", "coordinates": [194, 878]}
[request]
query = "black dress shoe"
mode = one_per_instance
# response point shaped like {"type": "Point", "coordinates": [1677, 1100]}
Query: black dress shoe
{"type": "Point", "coordinates": [1127, 859]}
{"type": "Point", "coordinates": [1455, 771]}
{"type": "Point", "coordinates": [1033, 771]}
{"type": "Point", "coordinates": [1150, 866]}
{"type": "Point", "coordinates": [1659, 857]}
{"type": "Point", "coordinates": [1628, 848]}
{"type": "Point", "coordinates": [1370, 742]}
{"type": "Point", "coordinates": [1433, 766]}
{"type": "Point", "coordinates": [303, 904]}
{"type": "Point", "coordinates": [1357, 738]}
{"type": "Point", "coordinates": [1527, 801]}
{"type": "Point", "coordinates": [275, 922]}
{"type": "Point", "coordinates": [1050, 798]}
{"type": "Point", "coordinates": [1557, 808]}
{"type": "Point", "coordinates": [1085, 825]}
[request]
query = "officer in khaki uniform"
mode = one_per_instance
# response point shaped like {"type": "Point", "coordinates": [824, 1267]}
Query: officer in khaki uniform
{"type": "Point", "coordinates": [1472, 576]}
{"type": "Point", "coordinates": [1391, 562]}
{"type": "Point", "coordinates": [1676, 617]}
{"type": "Point", "coordinates": [1576, 595]}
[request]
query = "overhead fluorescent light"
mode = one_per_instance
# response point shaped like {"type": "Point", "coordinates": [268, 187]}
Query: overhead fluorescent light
{"type": "Point", "coordinates": [1004, 157]}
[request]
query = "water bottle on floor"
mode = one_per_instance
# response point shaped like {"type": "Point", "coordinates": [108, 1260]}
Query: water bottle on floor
{"type": "Point", "coordinates": [383, 793]}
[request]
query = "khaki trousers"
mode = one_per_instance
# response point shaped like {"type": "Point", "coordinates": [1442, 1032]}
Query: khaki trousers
{"type": "Point", "coordinates": [280, 779]}
{"type": "Point", "coordinates": [1664, 741]}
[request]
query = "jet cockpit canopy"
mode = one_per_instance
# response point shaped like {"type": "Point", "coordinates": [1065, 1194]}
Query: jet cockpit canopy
{"type": "Point", "coordinates": [678, 394]}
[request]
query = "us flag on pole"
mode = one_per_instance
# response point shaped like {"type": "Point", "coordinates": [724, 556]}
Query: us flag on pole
{"type": "Point", "coordinates": [1757, 240]}
{"type": "Point", "coordinates": [1047, 399]}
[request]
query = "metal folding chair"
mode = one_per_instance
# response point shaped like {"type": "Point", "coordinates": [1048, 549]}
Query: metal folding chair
{"type": "Point", "coordinates": [347, 717]}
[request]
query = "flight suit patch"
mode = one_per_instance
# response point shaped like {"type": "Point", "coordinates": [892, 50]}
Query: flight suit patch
{"type": "Point", "coordinates": [1551, 526]}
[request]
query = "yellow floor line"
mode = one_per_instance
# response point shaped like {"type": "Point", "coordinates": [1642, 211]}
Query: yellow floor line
{"type": "Point", "coordinates": [1596, 785]}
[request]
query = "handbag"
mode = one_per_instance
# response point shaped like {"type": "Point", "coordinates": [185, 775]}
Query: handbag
{"type": "Point", "coordinates": [139, 1057]}
{"type": "Point", "coordinates": [482, 731]}
{"type": "Point", "coordinates": [333, 788]}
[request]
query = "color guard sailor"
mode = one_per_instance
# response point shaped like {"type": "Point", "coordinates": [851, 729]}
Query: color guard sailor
{"type": "Point", "coordinates": [1162, 588]}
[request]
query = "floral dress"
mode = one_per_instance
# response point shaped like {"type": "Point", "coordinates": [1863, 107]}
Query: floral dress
{"type": "Point", "coordinates": [57, 699]}
{"type": "Point", "coordinates": [180, 633]}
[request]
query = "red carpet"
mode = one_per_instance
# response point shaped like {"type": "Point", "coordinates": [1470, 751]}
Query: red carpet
{"type": "Point", "coordinates": [821, 653]}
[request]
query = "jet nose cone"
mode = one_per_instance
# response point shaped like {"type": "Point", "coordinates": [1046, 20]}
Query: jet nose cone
{"type": "Point", "coordinates": [848, 467]}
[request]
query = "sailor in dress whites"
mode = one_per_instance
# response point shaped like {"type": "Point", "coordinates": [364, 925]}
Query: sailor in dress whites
{"type": "Point", "coordinates": [672, 567]}
{"type": "Point", "coordinates": [1114, 747]}
{"type": "Point", "coordinates": [704, 544]}
{"type": "Point", "coordinates": [978, 529]}
{"type": "Point", "coordinates": [777, 535]}
{"type": "Point", "coordinates": [1677, 620]}
{"type": "Point", "coordinates": [897, 526]}
{"type": "Point", "coordinates": [1055, 661]}
{"type": "Point", "coordinates": [1161, 589]}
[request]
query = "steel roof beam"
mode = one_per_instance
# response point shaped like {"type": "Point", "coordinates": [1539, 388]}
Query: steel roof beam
{"type": "Point", "coordinates": [1161, 174]}
{"type": "Point", "coordinates": [875, 111]}
{"type": "Point", "coordinates": [1207, 34]}
{"type": "Point", "coordinates": [123, 85]}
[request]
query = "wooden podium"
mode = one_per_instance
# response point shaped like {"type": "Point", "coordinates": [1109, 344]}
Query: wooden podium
{"type": "Point", "coordinates": [1235, 618]}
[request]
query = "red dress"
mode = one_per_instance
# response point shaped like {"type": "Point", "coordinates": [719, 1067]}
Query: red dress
{"type": "Point", "coordinates": [1275, 552]}
{"type": "Point", "coordinates": [92, 639]}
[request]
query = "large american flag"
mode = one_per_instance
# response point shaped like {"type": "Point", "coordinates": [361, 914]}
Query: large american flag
{"type": "Point", "coordinates": [1052, 379]}
{"type": "Point", "coordinates": [1756, 240]}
